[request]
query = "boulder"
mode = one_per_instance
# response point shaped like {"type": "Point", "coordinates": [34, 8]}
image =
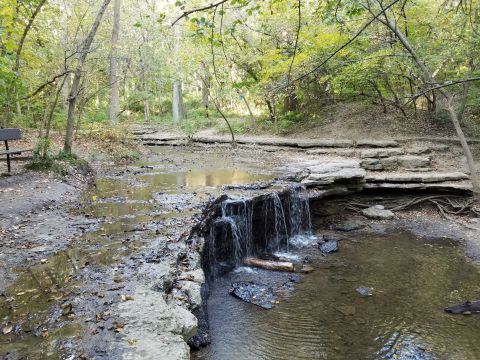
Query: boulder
{"type": "Point", "coordinates": [378, 212]}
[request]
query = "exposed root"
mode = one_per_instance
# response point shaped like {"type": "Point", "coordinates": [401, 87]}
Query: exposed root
{"type": "Point", "coordinates": [447, 205]}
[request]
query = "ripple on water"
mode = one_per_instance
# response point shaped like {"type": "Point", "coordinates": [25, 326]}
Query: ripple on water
{"type": "Point", "coordinates": [325, 318]}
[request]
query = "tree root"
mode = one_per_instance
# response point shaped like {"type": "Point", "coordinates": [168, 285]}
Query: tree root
{"type": "Point", "coordinates": [447, 205]}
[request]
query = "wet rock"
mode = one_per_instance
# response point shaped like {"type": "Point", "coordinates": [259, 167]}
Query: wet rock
{"type": "Point", "coordinates": [378, 212]}
{"type": "Point", "coordinates": [257, 294]}
{"type": "Point", "coordinates": [348, 226]}
{"type": "Point", "coordinates": [467, 308]}
{"type": "Point", "coordinates": [327, 247]}
{"type": "Point", "coordinates": [364, 291]}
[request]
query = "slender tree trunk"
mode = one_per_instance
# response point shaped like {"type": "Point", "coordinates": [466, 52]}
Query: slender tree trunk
{"type": "Point", "coordinates": [250, 113]}
{"type": "Point", "coordinates": [463, 104]}
{"type": "Point", "coordinates": [48, 124]}
{"type": "Point", "coordinates": [114, 101]}
{"type": "Point", "coordinates": [72, 97]}
{"type": "Point", "coordinates": [143, 80]}
{"type": "Point", "coordinates": [20, 48]}
{"type": "Point", "coordinates": [430, 81]}
{"type": "Point", "coordinates": [206, 88]}
{"type": "Point", "coordinates": [178, 112]}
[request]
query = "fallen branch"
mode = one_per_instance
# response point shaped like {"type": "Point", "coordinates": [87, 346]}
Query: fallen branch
{"type": "Point", "coordinates": [269, 265]}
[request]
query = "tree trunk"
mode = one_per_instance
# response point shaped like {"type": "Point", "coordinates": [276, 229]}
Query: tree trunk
{"type": "Point", "coordinates": [178, 111]}
{"type": "Point", "coordinates": [72, 96]}
{"type": "Point", "coordinates": [143, 79]}
{"type": "Point", "coordinates": [430, 81]}
{"type": "Point", "coordinates": [290, 103]}
{"type": "Point", "coordinates": [114, 101]}
{"type": "Point", "coordinates": [206, 88]}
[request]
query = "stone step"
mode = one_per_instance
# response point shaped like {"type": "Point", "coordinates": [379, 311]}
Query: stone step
{"type": "Point", "coordinates": [395, 162]}
{"type": "Point", "coordinates": [462, 186]}
{"type": "Point", "coordinates": [381, 153]}
{"type": "Point", "coordinates": [429, 177]}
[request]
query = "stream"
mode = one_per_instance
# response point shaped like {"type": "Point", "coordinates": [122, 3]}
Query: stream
{"type": "Point", "coordinates": [412, 278]}
{"type": "Point", "coordinates": [134, 217]}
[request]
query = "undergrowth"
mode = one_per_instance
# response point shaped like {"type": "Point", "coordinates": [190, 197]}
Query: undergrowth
{"type": "Point", "coordinates": [44, 159]}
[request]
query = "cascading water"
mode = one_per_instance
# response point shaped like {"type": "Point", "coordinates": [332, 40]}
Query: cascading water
{"type": "Point", "coordinates": [247, 227]}
{"type": "Point", "coordinates": [299, 219]}
{"type": "Point", "coordinates": [275, 230]}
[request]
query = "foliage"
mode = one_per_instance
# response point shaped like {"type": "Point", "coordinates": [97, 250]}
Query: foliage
{"type": "Point", "coordinates": [115, 142]}
{"type": "Point", "coordinates": [44, 159]}
{"type": "Point", "coordinates": [242, 51]}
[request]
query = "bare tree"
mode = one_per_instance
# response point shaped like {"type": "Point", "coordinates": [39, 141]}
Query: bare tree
{"type": "Point", "coordinates": [75, 88]}
{"type": "Point", "coordinates": [114, 102]}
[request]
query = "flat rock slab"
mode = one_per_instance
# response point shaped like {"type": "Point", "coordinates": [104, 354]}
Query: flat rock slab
{"type": "Point", "coordinates": [378, 212]}
{"type": "Point", "coordinates": [332, 151]}
{"type": "Point", "coordinates": [257, 294]}
{"type": "Point", "coordinates": [430, 177]}
{"type": "Point", "coordinates": [460, 186]}
{"type": "Point", "coordinates": [329, 172]}
{"type": "Point", "coordinates": [381, 153]}
{"type": "Point", "coordinates": [376, 143]}
{"type": "Point", "coordinates": [326, 143]}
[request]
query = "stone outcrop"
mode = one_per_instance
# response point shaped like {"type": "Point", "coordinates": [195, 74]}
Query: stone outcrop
{"type": "Point", "coordinates": [407, 162]}
{"type": "Point", "coordinates": [160, 330]}
{"type": "Point", "coordinates": [331, 174]}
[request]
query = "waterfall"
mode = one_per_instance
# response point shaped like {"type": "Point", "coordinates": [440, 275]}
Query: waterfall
{"type": "Point", "coordinates": [267, 223]}
{"type": "Point", "coordinates": [275, 225]}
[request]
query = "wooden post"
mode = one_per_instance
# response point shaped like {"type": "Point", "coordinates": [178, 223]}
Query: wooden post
{"type": "Point", "coordinates": [8, 156]}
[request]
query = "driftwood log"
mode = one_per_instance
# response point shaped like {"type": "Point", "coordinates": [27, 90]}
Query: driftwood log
{"type": "Point", "coordinates": [270, 265]}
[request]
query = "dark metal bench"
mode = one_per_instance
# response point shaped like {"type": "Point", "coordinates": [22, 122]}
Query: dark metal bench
{"type": "Point", "coordinates": [11, 134]}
